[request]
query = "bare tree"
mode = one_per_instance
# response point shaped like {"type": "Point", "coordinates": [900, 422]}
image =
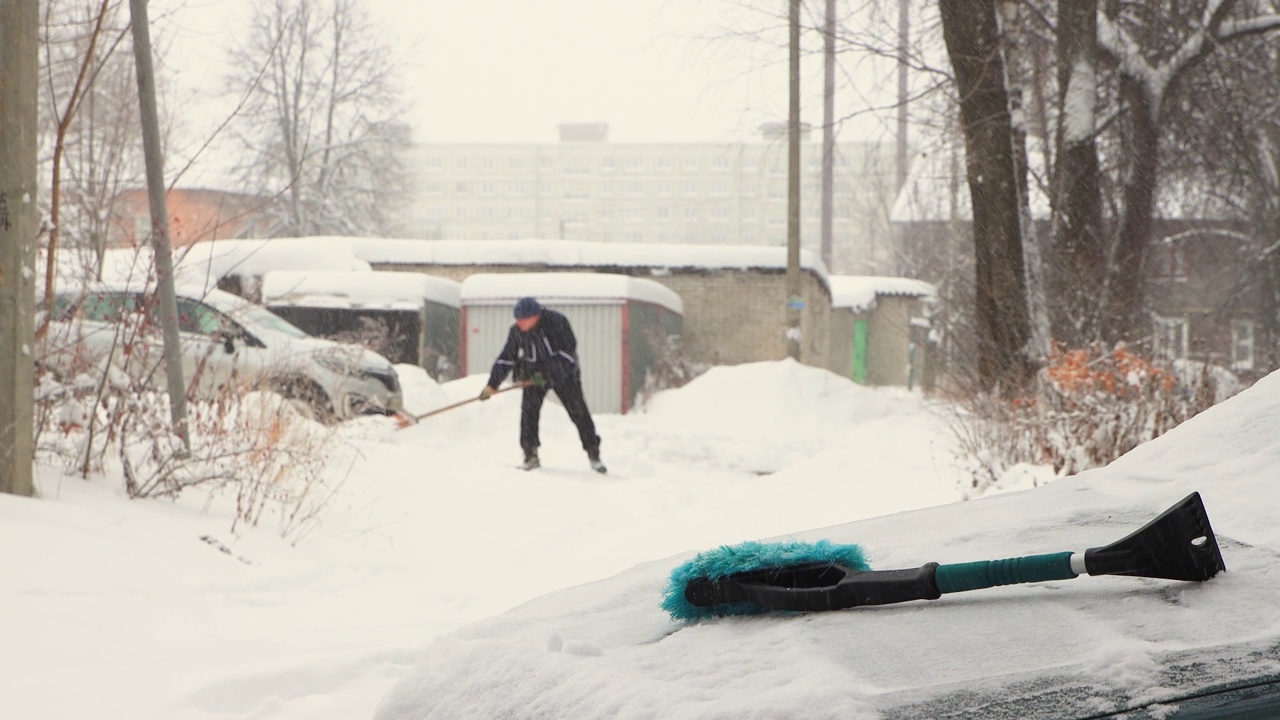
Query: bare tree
{"type": "Point", "coordinates": [1153, 52]}
{"type": "Point", "coordinates": [1078, 249]}
{"type": "Point", "coordinates": [972, 34]}
{"type": "Point", "coordinates": [78, 41]}
{"type": "Point", "coordinates": [320, 125]}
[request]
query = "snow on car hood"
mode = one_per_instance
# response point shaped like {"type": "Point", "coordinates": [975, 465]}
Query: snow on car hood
{"type": "Point", "coordinates": [1062, 649]}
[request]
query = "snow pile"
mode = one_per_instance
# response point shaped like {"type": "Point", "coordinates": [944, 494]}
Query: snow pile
{"type": "Point", "coordinates": [154, 610]}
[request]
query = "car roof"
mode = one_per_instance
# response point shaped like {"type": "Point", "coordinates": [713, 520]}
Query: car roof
{"type": "Point", "coordinates": [213, 297]}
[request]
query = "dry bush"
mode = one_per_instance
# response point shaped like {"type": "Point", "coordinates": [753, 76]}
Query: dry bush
{"type": "Point", "coordinates": [1089, 407]}
{"type": "Point", "coordinates": [671, 368]}
{"type": "Point", "coordinates": [102, 416]}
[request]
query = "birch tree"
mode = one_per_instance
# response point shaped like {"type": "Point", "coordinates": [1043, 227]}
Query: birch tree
{"type": "Point", "coordinates": [320, 127]}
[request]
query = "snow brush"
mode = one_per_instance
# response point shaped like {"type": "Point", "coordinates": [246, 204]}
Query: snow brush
{"type": "Point", "coordinates": [757, 577]}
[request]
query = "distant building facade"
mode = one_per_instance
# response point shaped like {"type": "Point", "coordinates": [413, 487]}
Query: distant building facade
{"type": "Point", "coordinates": [587, 188]}
{"type": "Point", "coordinates": [195, 214]}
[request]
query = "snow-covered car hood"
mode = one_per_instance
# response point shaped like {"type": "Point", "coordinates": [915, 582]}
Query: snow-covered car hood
{"type": "Point", "coordinates": [1079, 648]}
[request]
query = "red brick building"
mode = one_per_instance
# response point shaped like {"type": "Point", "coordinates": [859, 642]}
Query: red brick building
{"type": "Point", "coordinates": [194, 215]}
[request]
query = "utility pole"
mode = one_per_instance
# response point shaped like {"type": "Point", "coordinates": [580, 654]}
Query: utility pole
{"type": "Point", "coordinates": [165, 294]}
{"type": "Point", "coordinates": [828, 129]}
{"type": "Point", "coordinates": [795, 302]}
{"type": "Point", "coordinates": [904, 30]}
{"type": "Point", "coordinates": [19, 52]}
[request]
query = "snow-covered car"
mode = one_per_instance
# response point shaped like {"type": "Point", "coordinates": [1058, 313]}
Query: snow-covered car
{"type": "Point", "coordinates": [228, 344]}
{"type": "Point", "coordinates": [1133, 645]}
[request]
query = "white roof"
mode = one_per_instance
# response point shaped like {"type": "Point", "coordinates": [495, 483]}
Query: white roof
{"type": "Point", "coordinates": [859, 292]}
{"type": "Point", "coordinates": [492, 288]}
{"type": "Point", "coordinates": [387, 290]}
{"type": "Point", "coordinates": [257, 257]}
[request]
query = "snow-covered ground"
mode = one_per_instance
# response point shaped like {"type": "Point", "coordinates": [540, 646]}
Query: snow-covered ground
{"type": "Point", "coordinates": [1089, 647]}
{"type": "Point", "coordinates": [118, 609]}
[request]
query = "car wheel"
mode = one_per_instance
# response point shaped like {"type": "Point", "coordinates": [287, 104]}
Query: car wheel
{"type": "Point", "coordinates": [305, 396]}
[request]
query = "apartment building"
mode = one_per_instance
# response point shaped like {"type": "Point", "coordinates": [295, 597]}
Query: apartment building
{"type": "Point", "coordinates": [585, 187]}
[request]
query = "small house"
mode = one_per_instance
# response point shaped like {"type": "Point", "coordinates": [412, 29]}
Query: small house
{"type": "Point", "coordinates": [879, 329]}
{"type": "Point", "coordinates": [622, 325]}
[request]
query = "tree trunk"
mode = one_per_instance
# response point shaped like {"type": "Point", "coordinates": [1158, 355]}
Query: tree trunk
{"type": "Point", "coordinates": [1078, 258]}
{"type": "Point", "coordinates": [971, 31]}
{"type": "Point", "coordinates": [1125, 319]}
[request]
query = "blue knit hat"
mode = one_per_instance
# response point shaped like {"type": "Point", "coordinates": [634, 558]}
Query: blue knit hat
{"type": "Point", "coordinates": [527, 307]}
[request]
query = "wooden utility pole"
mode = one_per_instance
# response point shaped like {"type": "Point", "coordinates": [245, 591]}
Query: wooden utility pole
{"type": "Point", "coordinates": [19, 52]}
{"type": "Point", "coordinates": [904, 31]}
{"type": "Point", "coordinates": [828, 129]}
{"type": "Point", "coordinates": [795, 302]}
{"type": "Point", "coordinates": [165, 294]}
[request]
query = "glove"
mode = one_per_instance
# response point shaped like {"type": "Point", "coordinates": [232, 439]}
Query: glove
{"type": "Point", "coordinates": [487, 392]}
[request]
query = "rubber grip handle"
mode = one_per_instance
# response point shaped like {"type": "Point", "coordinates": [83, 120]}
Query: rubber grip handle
{"type": "Point", "coordinates": [1010, 571]}
{"type": "Point", "coordinates": [823, 586]}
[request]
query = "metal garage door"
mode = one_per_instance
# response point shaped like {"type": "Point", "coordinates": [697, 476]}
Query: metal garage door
{"type": "Point", "coordinates": [597, 326]}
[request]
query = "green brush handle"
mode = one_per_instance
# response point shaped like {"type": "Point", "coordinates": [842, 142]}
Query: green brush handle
{"type": "Point", "coordinates": [1011, 571]}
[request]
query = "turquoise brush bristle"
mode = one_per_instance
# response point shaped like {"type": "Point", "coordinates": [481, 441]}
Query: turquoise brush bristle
{"type": "Point", "coordinates": [729, 560]}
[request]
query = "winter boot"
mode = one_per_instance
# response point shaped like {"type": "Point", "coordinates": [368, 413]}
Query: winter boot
{"type": "Point", "coordinates": [596, 463]}
{"type": "Point", "coordinates": [531, 461]}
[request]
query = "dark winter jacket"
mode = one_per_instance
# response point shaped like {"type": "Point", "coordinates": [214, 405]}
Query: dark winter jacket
{"type": "Point", "coordinates": [548, 348]}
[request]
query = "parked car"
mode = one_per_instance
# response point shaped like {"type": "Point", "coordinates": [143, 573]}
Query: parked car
{"type": "Point", "coordinates": [228, 344]}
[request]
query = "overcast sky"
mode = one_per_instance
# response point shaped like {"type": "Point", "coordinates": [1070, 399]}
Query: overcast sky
{"type": "Point", "coordinates": [512, 70]}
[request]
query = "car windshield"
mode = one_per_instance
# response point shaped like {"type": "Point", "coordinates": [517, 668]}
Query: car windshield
{"type": "Point", "coordinates": [262, 317]}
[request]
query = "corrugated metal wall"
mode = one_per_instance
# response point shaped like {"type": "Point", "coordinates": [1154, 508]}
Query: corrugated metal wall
{"type": "Point", "coordinates": [598, 327]}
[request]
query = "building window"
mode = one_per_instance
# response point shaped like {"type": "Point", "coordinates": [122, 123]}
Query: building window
{"type": "Point", "coordinates": [691, 164]}
{"type": "Point", "coordinates": [606, 164]}
{"type": "Point", "coordinates": [141, 227]}
{"type": "Point", "coordinates": [1241, 344]}
{"type": "Point", "coordinates": [719, 187]}
{"type": "Point", "coordinates": [1170, 340]}
{"type": "Point", "coordinates": [486, 188]}
{"type": "Point", "coordinates": [1173, 265]}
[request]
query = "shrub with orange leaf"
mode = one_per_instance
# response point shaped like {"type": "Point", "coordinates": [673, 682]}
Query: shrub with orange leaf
{"type": "Point", "coordinates": [1091, 406]}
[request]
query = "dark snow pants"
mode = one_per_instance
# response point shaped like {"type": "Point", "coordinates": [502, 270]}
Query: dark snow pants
{"type": "Point", "coordinates": [570, 393]}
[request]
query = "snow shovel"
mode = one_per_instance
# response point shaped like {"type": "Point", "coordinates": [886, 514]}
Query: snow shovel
{"type": "Point", "coordinates": [807, 577]}
{"type": "Point", "coordinates": [404, 420]}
